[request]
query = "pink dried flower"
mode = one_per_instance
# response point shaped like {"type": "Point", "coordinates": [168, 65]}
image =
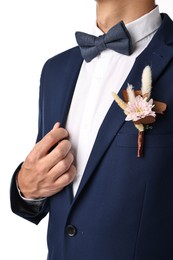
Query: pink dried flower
{"type": "Point", "coordinates": [139, 108]}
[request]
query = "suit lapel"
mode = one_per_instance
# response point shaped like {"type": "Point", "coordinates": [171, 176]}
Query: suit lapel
{"type": "Point", "coordinates": [157, 55]}
{"type": "Point", "coordinates": [72, 71]}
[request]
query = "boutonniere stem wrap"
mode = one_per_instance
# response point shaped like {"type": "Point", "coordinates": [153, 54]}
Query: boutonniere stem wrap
{"type": "Point", "coordinates": [139, 107]}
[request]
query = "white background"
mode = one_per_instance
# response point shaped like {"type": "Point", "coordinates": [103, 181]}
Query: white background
{"type": "Point", "coordinates": [29, 35]}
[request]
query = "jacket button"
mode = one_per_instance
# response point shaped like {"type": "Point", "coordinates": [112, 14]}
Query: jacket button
{"type": "Point", "coordinates": [71, 230]}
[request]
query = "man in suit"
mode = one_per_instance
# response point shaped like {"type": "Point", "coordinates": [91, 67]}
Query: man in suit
{"type": "Point", "coordinates": [103, 201]}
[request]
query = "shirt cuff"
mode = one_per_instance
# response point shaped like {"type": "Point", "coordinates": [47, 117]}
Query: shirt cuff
{"type": "Point", "coordinates": [28, 200]}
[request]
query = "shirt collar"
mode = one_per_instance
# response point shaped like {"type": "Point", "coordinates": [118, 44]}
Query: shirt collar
{"type": "Point", "coordinates": [142, 27]}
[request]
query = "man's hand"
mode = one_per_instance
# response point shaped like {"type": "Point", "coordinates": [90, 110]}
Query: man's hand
{"type": "Point", "coordinates": [47, 170]}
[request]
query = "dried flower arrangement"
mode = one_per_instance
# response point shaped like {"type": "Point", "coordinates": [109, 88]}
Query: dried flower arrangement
{"type": "Point", "coordinates": [139, 107]}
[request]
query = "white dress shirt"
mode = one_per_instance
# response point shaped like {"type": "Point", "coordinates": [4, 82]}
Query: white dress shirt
{"type": "Point", "coordinates": [97, 80]}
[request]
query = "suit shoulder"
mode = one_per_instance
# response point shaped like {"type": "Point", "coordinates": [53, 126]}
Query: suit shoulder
{"type": "Point", "coordinates": [62, 64]}
{"type": "Point", "coordinates": [166, 29]}
{"type": "Point", "coordinates": [65, 57]}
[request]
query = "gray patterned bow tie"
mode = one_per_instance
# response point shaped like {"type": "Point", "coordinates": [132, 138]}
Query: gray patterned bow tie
{"type": "Point", "coordinates": [117, 39]}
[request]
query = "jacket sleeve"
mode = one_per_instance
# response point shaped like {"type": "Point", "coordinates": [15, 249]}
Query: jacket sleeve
{"type": "Point", "coordinates": [32, 211]}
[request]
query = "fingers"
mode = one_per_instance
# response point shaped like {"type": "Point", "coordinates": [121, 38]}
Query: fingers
{"type": "Point", "coordinates": [51, 188]}
{"type": "Point", "coordinates": [66, 178]}
{"type": "Point", "coordinates": [61, 167]}
{"type": "Point", "coordinates": [43, 147]}
{"type": "Point", "coordinates": [57, 154]}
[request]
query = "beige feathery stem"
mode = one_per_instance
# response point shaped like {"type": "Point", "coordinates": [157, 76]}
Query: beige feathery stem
{"type": "Point", "coordinates": [131, 93]}
{"type": "Point", "coordinates": [146, 82]}
{"type": "Point", "coordinates": [119, 101]}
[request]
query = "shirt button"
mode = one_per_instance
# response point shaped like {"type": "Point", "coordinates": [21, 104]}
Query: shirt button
{"type": "Point", "coordinates": [71, 230]}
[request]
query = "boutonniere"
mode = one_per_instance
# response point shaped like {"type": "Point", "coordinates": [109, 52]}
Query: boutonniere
{"type": "Point", "coordinates": [139, 107]}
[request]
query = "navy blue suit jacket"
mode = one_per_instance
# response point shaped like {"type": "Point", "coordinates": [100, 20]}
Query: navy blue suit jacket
{"type": "Point", "coordinates": [123, 209]}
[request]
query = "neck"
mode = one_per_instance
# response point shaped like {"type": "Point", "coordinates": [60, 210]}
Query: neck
{"type": "Point", "coordinates": [110, 12]}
